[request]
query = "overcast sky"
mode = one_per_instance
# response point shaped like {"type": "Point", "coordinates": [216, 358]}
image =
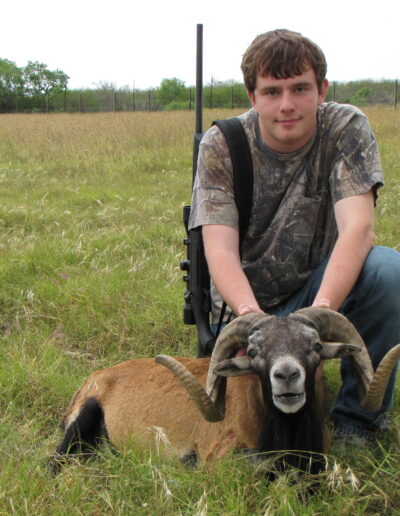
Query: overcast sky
{"type": "Point", "coordinates": [131, 42]}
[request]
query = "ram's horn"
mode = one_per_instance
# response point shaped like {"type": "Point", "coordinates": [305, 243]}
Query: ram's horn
{"type": "Point", "coordinates": [192, 385]}
{"type": "Point", "coordinates": [374, 398]}
{"type": "Point", "coordinates": [211, 402]}
{"type": "Point", "coordinates": [332, 326]}
{"type": "Point", "coordinates": [233, 337]}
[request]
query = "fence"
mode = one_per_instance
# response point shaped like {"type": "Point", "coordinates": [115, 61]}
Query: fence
{"type": "Point", "coordinates": [221, 95]}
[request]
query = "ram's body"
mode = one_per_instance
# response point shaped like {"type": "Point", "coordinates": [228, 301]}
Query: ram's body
{"type": "Point", "coordinates": [266, 399]}
{"type": "Point", "coordinates": [138, 395]}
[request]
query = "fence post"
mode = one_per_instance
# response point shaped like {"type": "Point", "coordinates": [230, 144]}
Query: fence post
{"type": "Point", "coordinates": [395, 94]}
{"type": "Point", "coordinates": [232, 97]}
{"type": "Point", "coordinates": [334, 92]}
{"type": "Point", "coordinates": [149, 100]}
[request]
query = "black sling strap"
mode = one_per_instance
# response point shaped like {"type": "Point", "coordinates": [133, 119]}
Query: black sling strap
{"type": "Point", "coordinates": [242, 166]}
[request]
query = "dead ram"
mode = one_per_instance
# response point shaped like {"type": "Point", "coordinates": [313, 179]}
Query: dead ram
{"type": "Point", "coordinates": [270, 401]}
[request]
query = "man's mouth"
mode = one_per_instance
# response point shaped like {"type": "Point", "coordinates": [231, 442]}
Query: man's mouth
{"type": "Point", "coordinates": [288, 121]}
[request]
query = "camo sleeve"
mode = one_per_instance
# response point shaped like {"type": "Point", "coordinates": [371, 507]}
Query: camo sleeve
{"type": "Point", "coordinates": [357, 167]}
{"type": "Point", "coordinates": [213, 199]}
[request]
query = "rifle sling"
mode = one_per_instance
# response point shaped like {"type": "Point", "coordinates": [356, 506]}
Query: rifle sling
{"type": "Point", "coordinates": [242, 167]}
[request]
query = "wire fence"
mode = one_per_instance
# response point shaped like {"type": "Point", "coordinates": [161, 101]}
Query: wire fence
{"type": "Point", "coordinates": [222, 95]}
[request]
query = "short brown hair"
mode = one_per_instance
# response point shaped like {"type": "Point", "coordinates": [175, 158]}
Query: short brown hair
{"type": "Point", "coordinates": [282, 54]}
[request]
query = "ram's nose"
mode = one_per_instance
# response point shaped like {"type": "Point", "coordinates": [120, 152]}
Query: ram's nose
{"type": "Point", "coordinates": [287, 373]}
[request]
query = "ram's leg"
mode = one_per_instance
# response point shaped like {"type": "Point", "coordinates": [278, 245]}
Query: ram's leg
{"type": "Point", "coordinates": [83, 435]}
{"type": "Point", "coordinates": [190, 460]}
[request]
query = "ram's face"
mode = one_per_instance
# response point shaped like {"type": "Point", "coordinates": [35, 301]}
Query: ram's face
{"type": "Point", "coordinates": [285, 352]}
{"type": "Point", "coordinates": [284, 355]}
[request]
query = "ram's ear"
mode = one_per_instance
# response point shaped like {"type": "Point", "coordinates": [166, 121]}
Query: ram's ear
{"type": "Point", "coordinates": [237, 366]}
{"type": "Point", "coordinates": [338, 350]}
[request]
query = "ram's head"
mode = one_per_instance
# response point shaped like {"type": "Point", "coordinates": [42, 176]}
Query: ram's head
{"type": "Point", "coordinates": [285, 353]}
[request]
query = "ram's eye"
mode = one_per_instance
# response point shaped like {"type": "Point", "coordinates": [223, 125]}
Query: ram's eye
{"type": "Point", "coordinates": [318, 347]}
{"type": "Point", "coordinates": [252, 353]}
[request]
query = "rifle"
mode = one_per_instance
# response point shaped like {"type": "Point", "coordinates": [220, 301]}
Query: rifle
{"type": "Point", "coordinates": [197, 299]}
{"type": "Point", "coordinates": [197, 307]}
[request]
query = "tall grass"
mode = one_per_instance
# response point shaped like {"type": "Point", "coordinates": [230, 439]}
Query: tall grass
{"type": "Point", "coordinates": [90, 244]}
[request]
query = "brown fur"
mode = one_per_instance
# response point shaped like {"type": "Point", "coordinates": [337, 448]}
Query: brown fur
{"type": "Point", "coordinates": [139, 394]}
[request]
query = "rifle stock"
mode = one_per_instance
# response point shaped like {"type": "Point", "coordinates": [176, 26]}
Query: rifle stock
{"type": "Point", "coordinates": [197, 298]}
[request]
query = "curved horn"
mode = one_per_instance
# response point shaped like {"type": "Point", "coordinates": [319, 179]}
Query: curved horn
{"type": "Point", "coordinates": [373, 399]}
{"type": "Point", "coordinates": [333, 326]}
{"type": "Point", "coordinates": [211, 402]}
{"type": "Point", "coordinates": [233, 337]}
{"type": "Point", "coordinates": [192, 385]}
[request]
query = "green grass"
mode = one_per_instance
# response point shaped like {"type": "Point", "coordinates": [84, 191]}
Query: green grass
{"type": "Point", "coordinates": [90, 243]}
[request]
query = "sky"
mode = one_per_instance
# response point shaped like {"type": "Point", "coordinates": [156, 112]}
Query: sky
{"type": "Point", "coordinates": [139, 43]}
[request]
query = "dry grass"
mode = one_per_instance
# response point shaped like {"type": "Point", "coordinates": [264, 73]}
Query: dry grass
{"type": "Point", "coordinates": [90, 244]}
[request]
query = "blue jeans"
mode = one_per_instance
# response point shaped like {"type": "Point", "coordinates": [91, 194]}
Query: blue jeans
{"type": "Point", "coordinates": [373, 306]}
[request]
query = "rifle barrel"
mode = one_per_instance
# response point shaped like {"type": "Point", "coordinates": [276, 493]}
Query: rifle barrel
{"type": "Point", "coordinates": [199, 79]}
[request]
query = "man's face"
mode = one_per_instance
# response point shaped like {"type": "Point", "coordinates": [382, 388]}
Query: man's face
{"type": "Point", "coordinates": [287, 109]}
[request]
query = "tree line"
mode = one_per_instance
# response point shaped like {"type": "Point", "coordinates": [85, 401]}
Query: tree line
{"type": "Point", "coordinates": [35, 88]}
{"type": "Point", "coordinates": [20, 85]}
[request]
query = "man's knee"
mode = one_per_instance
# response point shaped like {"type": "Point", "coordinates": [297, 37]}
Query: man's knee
{"type": "Point", "coordinates": [381, 272]}
{"type": "Point", "coordinates": [377, 289]}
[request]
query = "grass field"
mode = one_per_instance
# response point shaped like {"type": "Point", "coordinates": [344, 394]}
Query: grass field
{"type": "Point", "coordinates": [90, 245]}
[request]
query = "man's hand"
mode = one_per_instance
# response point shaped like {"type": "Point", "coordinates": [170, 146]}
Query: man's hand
{"type": "Point", "coordinates": [322, 302]}
{"type": "Point", "coordinates": [247, 309]}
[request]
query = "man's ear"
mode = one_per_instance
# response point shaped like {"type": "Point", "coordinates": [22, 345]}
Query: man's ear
{"type": "Point", "coordinates": [250, 94]}
{"type": "Point", "coordinates": [322, 93]}
{"type": "Point", "coordinates": [237, 366]}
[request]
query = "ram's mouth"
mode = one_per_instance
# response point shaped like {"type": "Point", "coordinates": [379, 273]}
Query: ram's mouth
{"type": "Point", "coordinates": [290, 395]}
{"type": "Point", "coordinates": [289, 402]}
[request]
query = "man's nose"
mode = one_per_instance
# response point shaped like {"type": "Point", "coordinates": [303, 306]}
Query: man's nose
{"type": "Point", "coordinates": [287, 103]}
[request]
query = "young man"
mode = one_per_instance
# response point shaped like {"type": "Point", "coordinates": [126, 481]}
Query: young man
{"type": "Point", "coordinates": [311, 235]}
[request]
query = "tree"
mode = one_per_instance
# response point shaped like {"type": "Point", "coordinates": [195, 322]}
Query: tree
{"type": "Point", "coordinates": [39, 80]}
{"type": "Point", "coordinates": [11, 80]}
{"type": "Point", "coordinates": [11, 83]}
{"type": "Point", "coordinates": [171, 90]}
{"type": "Point", "coordinates": [106, 94]}
{"type": "Point", "coordinates": [362, 96]}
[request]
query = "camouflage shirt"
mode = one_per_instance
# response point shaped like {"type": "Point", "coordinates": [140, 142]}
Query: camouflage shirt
{"type": "Point", "coordinates": [292, 227]}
